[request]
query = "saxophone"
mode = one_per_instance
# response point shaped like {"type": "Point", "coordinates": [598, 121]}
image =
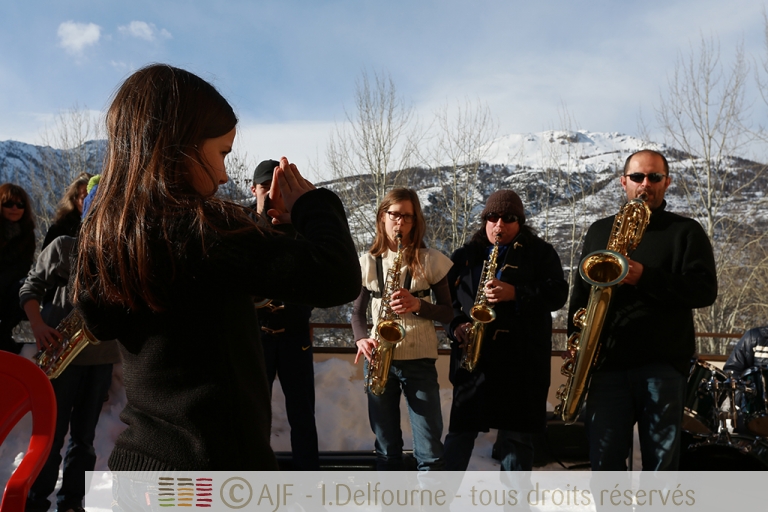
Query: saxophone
{"type": "Point", "coordinates": [75, 336]}
{"type": "Point", "coordinates": [603, 270]}
{"type": "Point", "coordinates": [482, 313]}
{"type": "Point", "coordinates": [388, 330]}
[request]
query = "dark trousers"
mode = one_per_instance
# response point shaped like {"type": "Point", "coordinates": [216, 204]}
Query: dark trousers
{"type": "Point", "coordinates": [10, 316]}
{"type": "Point", "coordinates": [289, 357]}
{"type": "Point", "coordinates": [651, 396]}
{"type": "Point", "coordinates": [80, 393]}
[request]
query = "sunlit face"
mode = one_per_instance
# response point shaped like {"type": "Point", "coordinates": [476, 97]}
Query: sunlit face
{"type": "Point", "coordinates": [207, 178]}
{"type": "Point", "coordinates": [646, 163]}
{"type": "Point", "coordinates": [506, 230]}
{"type": "Point", "coordinates": [12, 212]}
{"type": "Point", "coordinates": [81, 194]}
{"type": "Point", "coordinates": [261, 193]}
{"type": "Point", "coordinates": [403, 225]}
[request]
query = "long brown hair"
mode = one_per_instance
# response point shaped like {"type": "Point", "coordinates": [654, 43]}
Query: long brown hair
{"type": "Point", "coordinates": [411, 251]}
{"type": "Point", "coordinates": [11, 192]}
{"type": "Point", "coordinates": [146, 213]}
{"type": "Point", "coordinates": [68, 202]}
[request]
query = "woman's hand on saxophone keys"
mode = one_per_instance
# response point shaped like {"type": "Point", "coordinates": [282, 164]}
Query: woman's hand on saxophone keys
{"type": "Point", "coordinates": [403, 302]}
{"type": "Point", "coordinates": [499, 291]}
{"type": "Point", "coordinates": [45, 336]}
{"type": "Point", "coordinates": [365, 346]}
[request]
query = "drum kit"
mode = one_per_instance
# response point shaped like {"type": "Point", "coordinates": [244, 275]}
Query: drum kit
{"type": "Point", "coordinates": [725, 421]}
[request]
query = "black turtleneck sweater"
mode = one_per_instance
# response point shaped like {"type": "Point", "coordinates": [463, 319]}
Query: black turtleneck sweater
{"type": "Point", "coordinates": [653, 321]}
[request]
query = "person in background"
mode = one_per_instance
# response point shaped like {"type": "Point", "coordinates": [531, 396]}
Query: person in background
{"type": "Point", "coordinates": [648, 337]}
{"type": "Point", "coordinates": [80, 390]}
{"type": "Point", "coordinates": [69, 211]}
{"type": "Point", "coordinates": [751, 350]}
{"type": "Point", "coordinates": [285, 338]}
{"type": "Point", "coordinates": [412, 371]}
{"type": "Point", "coordinates": [170, 270]}
{"type": "Point", "coordinates": [508, 388]}
{"type": "Point", "coordinates": [17, 253]}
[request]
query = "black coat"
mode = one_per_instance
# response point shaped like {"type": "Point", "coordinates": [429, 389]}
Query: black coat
{"type": "Point", "coordinates": [508, 389]}
{"type": "Point", "coordinates": [652, 321]}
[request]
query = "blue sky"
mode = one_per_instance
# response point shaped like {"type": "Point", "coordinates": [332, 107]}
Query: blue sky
{"type": "Point", "coordinates": [289, 67]}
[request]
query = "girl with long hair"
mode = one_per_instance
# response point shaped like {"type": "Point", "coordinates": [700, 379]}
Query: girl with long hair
{"type": "Point", "coordinates": [69, 210]}
{"type": "Point", "coordinates": [17, 252]}
{"type": "Point", "coordinates": [412, 371]}
{"type": "Point", "coordinates": [171, 271]}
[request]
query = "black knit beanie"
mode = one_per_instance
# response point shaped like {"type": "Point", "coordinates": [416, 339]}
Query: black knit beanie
{"type": "Point", "coordinates": [505, 202]}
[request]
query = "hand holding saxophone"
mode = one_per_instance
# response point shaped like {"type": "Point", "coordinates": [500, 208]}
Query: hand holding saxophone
{"type": "Point", "coordinates": [461, 333]}
{"type": "Point", "coordinates": [634, 272]}
{"type": "Point", "coordinates": [403, 302]}
{"type": "Point", "coordinates": [365, 346]}
{"type": "Point", "coordinates": [45, 336]}
{"type": "Point", "coordinates": [499, 291]}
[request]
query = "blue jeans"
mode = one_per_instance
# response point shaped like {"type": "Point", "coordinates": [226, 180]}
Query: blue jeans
{"type": "Point", "coordinates": [651, 396]}
{"type": "Point", "coordinates": [417, 380]}
{"type": "Point", "coordinates": [516, 450]}
{"type": "Point", "coordinates": [80, 393]}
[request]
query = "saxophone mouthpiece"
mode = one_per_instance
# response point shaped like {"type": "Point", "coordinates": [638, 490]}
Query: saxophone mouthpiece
{"type": "Point", "coordinates": [643, 196]}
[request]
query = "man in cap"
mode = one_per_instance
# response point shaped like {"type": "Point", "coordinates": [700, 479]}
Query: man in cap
{"type": "Point", "coordinates": [508, 388]}
{"type": "Point", "coordinates": [285, 337]}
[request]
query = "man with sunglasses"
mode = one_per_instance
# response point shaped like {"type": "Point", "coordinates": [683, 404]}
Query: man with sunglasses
{"type": "Point", "coordinates": [508, 388]}
{"type": "Point", "coordinates": [648, 336]}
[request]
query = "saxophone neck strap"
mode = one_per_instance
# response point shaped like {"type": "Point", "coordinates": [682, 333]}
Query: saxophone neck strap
{"type": "Point", "coordinates": [380, 276]}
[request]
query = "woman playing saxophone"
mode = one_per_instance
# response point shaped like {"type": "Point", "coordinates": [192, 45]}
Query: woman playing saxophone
{"type": "Point", "coordinates": [412, 369]}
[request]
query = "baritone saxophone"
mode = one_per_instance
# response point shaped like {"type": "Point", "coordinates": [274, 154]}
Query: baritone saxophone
{"type": "Point", "coordinates": [482, 312]}
{"type": "Point", "coordinates": [75, 336]}
{"type": "Point", "coordinates": [602, 270]}
{"type": "Point", "coordinates": [389, 330]}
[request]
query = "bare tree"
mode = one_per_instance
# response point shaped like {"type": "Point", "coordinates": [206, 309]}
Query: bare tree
{"type": "Point", "coordinates": [368, 152]}
{"type": "Point", "coordinates": [72, 147]}
{"type": "Point", "coordinates": [462, 143]}
{"type": "Point", "coordinates": [240, 169]}
{"type": "Point", "coordinates": [703, 113]}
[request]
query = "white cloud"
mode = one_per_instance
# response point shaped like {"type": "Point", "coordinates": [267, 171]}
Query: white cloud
{"type": "Point", "coordinates": [74, 37]}
{"type": "Point", "coordinates": [144, 30]}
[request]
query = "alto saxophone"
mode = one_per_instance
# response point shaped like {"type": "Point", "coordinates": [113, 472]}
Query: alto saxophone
{"type": "Point", "coordinates": [389, 331]}
{"type": "Point", "coordinates": [75, 336]}
{"type": "Point", "coordinates": [603, 270]}
{"type": "Point", "coordinates": [482, 313]}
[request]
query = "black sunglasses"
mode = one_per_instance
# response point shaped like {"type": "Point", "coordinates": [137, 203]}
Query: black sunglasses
{"type": "Point", "coordinates": [494, 218]}
{"type": "Point", "coordinates": [11, 204]}
{"type": "Point", "coordinates": [653, 177]}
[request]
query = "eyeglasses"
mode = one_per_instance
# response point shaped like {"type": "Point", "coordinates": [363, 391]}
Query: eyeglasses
{"type": "Point", "coordinates": [17, 204]}
{"type": "Point", "coordinates": [653, 177]}
{"type": "Point", "coordinates": [407, 218]}
{"type": "Point", "coordinates": [493, 218]}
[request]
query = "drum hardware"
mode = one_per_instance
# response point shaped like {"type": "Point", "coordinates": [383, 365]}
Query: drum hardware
{"type": "Point", "coordinates": [754, 402]}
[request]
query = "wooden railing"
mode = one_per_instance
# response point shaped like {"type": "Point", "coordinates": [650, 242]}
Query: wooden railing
{"type": "Point", "coordinates": [556, 332]}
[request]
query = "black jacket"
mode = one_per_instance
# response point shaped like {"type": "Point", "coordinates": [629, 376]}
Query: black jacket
{"type": "Point", "coordinates": [751, 350]}
{"type": "Point", "coordinates": [509, 387]}
{"type": "Point", "coordinates": [198, 397]}
{"type": "Point", "coordinates": [652, 321]}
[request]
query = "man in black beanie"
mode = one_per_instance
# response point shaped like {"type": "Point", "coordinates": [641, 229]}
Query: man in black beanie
{"type": "Point", "coordinates": [285, 338]}
{"type": "Point", "coordinates": [527, 286]}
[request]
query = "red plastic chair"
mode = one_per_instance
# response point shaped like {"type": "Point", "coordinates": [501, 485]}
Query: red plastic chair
{"type": "Point", "coordinates": [25, 388]}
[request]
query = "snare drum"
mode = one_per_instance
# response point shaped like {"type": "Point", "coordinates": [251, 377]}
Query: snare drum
{"type": "Point", "coordinates": [700, 414]}
{"type": "Point", "coordinates": [738, 453]}
{"type": "Point", "coordinates": [754, 405]}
